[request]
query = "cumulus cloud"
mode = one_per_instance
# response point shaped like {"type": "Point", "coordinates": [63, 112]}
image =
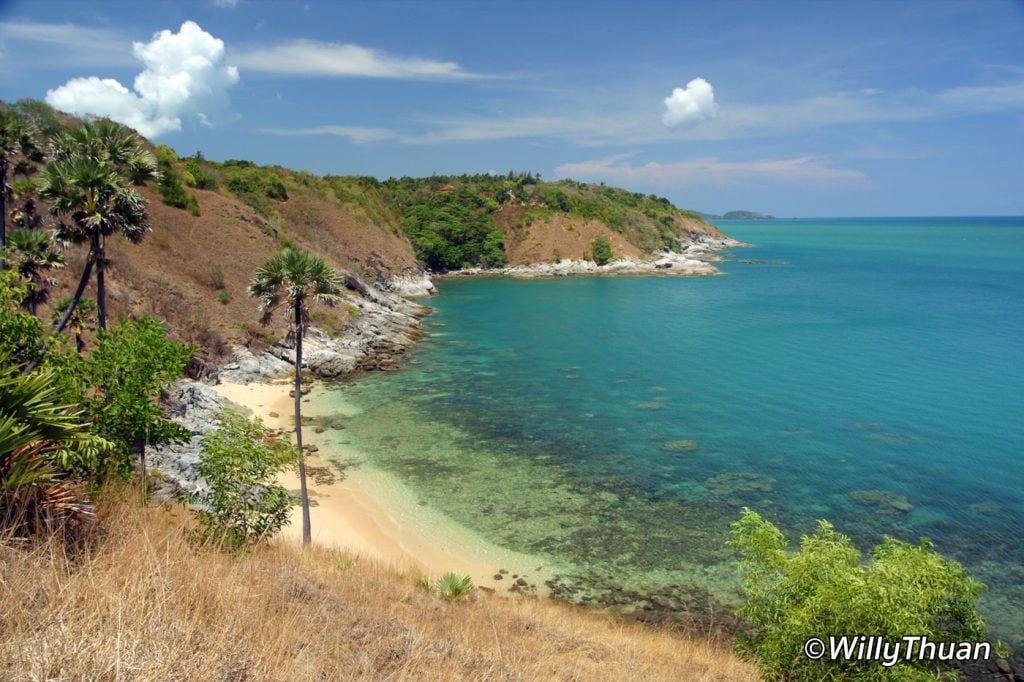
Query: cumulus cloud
{"type": "Point", "coordinates": [184, 76]}
{"type": "Point", "coordinates": [315, 58]}
{"type": "Point", "coordinates": [690, 105]}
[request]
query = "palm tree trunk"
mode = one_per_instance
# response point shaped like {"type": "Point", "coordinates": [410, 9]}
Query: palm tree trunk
{"type": "Point", "coordinates": [101, 288]}
{"type": "Point", "coordinates": [3, 209]}
{"type": "Point", "coordinates": [307, 531]}
{"type": "Point", "coordinates": [86, 273]}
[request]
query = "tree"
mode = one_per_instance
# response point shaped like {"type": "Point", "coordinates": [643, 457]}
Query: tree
{"type": "Point", "coordinates": [30, 255]}
{"type": "Point", "coordinates": [17, 138]}
{"type": "Point", "coordinates": [291, 279]}
{"type": "Point", "coordinates": [826, 590]}
{"type": "Point", "coordinates": [601, 249]}
{"type": "Point", "coordinates": [131, 365]}
{"type": "Point", "coordinates": [240, 461]}
{"type": "Point", "coordinates": [87, 184]}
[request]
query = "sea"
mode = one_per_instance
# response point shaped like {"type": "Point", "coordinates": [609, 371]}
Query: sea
{"type": "Point", "coordinates": [869, 372]}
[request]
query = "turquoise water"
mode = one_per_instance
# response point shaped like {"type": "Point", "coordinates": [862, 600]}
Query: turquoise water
{"type": "Point", "coordinates": [869, 372]}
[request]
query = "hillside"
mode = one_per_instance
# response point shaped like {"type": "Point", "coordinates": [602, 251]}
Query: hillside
{"type": "Point", "coordinates": [145, 603]}
{"type": "Point", "coordinates": [213, 223]}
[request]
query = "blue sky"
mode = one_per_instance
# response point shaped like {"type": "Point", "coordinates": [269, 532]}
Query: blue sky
{"type": "Point", "coordinates": [794, 108]}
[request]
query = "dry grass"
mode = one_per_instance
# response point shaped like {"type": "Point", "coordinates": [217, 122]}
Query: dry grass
{"type": "Point", "coordinates": [143, 603]}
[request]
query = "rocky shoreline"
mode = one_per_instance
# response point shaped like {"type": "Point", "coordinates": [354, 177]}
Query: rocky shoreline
{"type": "Point", "coordinates": [384, 327]}
{"type": "Point", "coordinates": [695, 260]}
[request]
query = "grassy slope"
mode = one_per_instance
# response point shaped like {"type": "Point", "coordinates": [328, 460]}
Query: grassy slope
{"type": "Point", "coordinates": [146, 604]}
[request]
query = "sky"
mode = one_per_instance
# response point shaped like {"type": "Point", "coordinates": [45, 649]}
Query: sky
{"type": "Point", "coordinates": [798, 109]}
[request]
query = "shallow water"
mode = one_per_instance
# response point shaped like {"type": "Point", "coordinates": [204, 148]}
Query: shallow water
{"type": "Point", "coordinates": [868, 372]}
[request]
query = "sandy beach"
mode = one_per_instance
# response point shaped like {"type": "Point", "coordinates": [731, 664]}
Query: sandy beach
{"type": "Point", "coordinates": [373, 515]}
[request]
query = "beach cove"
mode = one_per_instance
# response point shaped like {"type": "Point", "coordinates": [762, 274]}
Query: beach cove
{"type": "Point", "coordinates": [858, 371]}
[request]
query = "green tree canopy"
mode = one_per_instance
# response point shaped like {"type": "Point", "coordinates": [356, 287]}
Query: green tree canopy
{"type": "Point", "coordinates": [826, 589]}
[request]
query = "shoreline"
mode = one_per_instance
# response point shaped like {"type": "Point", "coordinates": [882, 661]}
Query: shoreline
{"type": "Point", "coordinates": [371, 514]}
{"type": "Point", "coordinates": [694, 261]}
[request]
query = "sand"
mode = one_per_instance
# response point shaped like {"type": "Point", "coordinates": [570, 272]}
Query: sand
{"type": "Point", "coordinates": [371, 514]}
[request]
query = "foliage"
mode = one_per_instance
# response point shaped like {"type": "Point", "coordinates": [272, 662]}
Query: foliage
{"type": "Point", "coordinates": [240, 462]}
{"type": "Point", "coordinates": [171, 190]}
{"type": "Point", "coordinates": [132, 363]}
{"type": "Point", "coordinates": [292, 279]}
{"type": "Point", "coordinates": [88, 186]}
{"type": "Point", "coordinates": [254, 184]}
{"type": "Point", "coordinates": [450, 586]}
{"type": "Point", "coordinates": [29, 254]}
{"type": "Point", "coordinates": [40, 115]}
{"type": "Point", "coordinates": [601, 249]}
{"type": "Point", "coordinates": [224, 296]}
{"type": "Point", "coordinates": [33, 409]}
{"type": "Point", "coordinates": [451, 226]}
{"type": "Point", "coordinates": [21, 334]}
{"type": "Point", "coordinates": [825, 590]}
{"type": "Point", "coordinates": [196, 174]}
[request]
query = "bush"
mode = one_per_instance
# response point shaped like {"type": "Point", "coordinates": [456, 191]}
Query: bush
{"type": "Point", "coordinates": [171, 190]}
{"type": "Point", "coordinates": [450, 587]}
{"type": "Point", "coordinates": [601, 249]}
{"type": "Point", "coordinates": [243, 504]}
{"type": "Point", "coordinates": [224, 296]}
{"type": "Point", "coordinates": [826, 590]}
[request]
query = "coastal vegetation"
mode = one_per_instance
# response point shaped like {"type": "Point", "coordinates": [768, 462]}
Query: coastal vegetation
{"type": "Point", "coordinates": [601, 250]}
{"type": "Point", "coordinates": [240, 462]}
{"type": "Point", "coordinates": [292, 280]}
{"type": "Point", "coordinates": [826, 590]}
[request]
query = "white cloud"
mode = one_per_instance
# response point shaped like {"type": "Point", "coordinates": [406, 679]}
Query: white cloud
{"type": "Point", "coordinates": [690, 105]}
{"type": "Point", "coordinates": [358, 134]}
{"type": "Point", "coordinates": [230, 4]}
{"type": "Point", "coordinates": [798, 171]}
{"type": "Point", "coordinates": [63, 43]}
{"type": "Point", "coordinates": [315, 58]}
{"type": "Point", "coordinates": [185, 76]}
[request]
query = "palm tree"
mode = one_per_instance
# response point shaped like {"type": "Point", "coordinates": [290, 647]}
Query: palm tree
{"type": "Point", "coordinates": [34, 426]}
{"type": "Point", "coordinates": [31, 256]}
{"type": "Point", "coordinates": [87, 184]}
{"type": "Point", "coordinates": [17, 138]}
{"type": "Point", "coordinates": [291, 279]}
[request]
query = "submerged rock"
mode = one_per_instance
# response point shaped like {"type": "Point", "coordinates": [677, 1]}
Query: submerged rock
{"type": "Point", "coordinates": [680, 446]}
{"type": "Point", "coordinates": [885, 501]}
{"type": "Point", "coordinates": [730, 482]}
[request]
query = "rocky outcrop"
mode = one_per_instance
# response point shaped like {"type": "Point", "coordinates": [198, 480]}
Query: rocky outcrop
{"type": "Point", "coordinates": [694, 260]}
{"type": "Point", "coordinates": [381, 330]}
{"type": "Point", "coordinates": [195, 406]}
{"type": "Point", "coordinates": [410, 285]}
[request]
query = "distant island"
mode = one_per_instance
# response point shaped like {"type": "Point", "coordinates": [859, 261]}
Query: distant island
{"type": "Point", "coordinates": [737, 215]}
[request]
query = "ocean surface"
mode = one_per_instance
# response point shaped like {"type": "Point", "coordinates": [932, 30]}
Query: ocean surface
{"type": "Point", "coordinates": [865, 371]}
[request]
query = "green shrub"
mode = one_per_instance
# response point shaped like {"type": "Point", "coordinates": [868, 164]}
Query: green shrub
{"type": "Point", "coordinates": [450, 586]}
{"type": "Point", "coordinates": [825, 589]}
{"type": "Point", "coordinates": [243, 504]}
{"type": "Point", "coordinates": [601, 249]}
{"type": "Point", "coordinates": [224, 296]}
{"type": "Point", "coordinates": [171, 190]}
{"type": "Point", "coordinates": [198, 176]}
